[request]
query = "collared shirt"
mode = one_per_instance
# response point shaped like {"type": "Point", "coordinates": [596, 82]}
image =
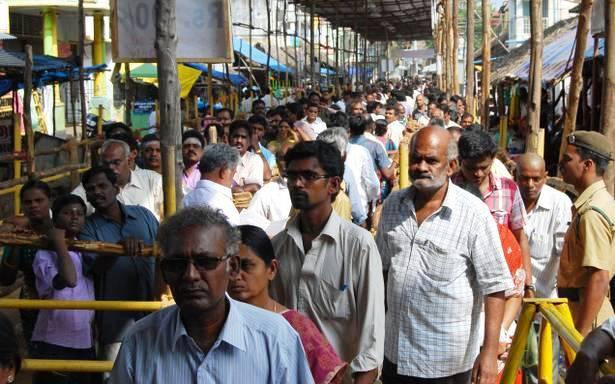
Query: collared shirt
{"type": "Point", "coordinates": [499, 169]}
{"type": "Point", "coordinates": [438, 273]}
{"type": "Point", "coordinates": [254, 346]}
{"type": "Point", "coordinates": [376, 150]}
{"type": "Point", "coordinates": [546, 226]}
{"type": "Point", "coordinates": [144, 189]}
{"type": "Point", "coordinates": [268, 155]}
{"type": "Point", "coordinates": [338, 284]}
{"type": "Point", "coordinates": [362, 174]}
{"type": "Point", "coordinates": [214, 195]}
{"type": "Point", "coordinates": [395, 132]}
{"type": "Point", "coordinates": [589, 241]}
{"type": "Point", "coordinates": [249, 170]}
{"type": "Point", "coordinates": [503, 199]}
{"type": "Point", "coordinates": [451, 124]}
{"type": "Point", "coordinates": [66, 328]}
{"type": "Point", "coordinates": [317, 126]}
{"type": "Point", "coordinates": [272, 202]}
{"type": "Point", "coordinates": [130, 278]}
{"type": "Point", "coordinates": [190, 177]}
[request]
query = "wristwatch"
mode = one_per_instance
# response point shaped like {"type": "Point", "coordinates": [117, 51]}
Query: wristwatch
{"type": "Point", "coordinates": [531, 287]}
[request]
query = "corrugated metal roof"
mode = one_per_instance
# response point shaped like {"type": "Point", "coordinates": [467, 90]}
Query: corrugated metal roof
{"type": "Point", "coordinates": [559, 44]}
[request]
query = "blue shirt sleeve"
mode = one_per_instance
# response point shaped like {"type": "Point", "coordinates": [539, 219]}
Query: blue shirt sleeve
{"type": "Point", "coordinates": [295, 368]}
{"type": "Point", "coordinates": [123, 369]}
{"type": "Point", "coordinates": [381, 158]}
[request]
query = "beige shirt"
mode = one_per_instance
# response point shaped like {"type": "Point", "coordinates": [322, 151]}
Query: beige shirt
{"type": "Point", "coordinates": [338, 284]}
{"type": "Point", "coordinates": [143, 189]}
{"type": "Point", "coordinates": [249, 170]}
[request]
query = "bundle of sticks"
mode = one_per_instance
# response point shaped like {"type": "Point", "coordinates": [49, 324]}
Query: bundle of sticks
{"type": "Point", "coordinates": [29, 239]}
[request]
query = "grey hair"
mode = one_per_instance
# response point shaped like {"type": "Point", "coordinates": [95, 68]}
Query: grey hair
{"type": "Point", "coordinates": [218, 156]}
{"type": "Point", "coordinates": [110, 142]}
{"type": "Point", "coordinates": [336, 136]}
{"type": "Point", "coordinates": [202, 216]}
{"type": "Point", "coordinates": [452, 152]}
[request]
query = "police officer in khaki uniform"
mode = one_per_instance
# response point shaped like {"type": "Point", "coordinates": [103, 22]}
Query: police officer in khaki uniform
{"type": "Point", "coordinates": [587, 262]}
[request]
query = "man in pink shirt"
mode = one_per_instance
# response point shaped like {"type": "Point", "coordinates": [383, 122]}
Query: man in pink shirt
{"type": "Point", "coordinates": [192, 150]}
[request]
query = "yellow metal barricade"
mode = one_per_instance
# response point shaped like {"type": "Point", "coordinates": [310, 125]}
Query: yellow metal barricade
{"type": "Point", "coordinates": [555, 316]}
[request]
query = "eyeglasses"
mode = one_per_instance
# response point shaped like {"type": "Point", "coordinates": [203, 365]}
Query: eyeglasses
{"type": "Point", "coordinates": [174, 268]}
{"type": "Point", "coordinates": [304, 176]}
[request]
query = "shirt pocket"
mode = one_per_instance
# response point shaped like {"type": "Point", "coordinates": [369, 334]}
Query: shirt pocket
{"type": "Point", "coordinates": [539, 246]}
{"type": "Point", "coordinates": [332, 301]}
{"type": "Point", "coordinates": [439, 264]}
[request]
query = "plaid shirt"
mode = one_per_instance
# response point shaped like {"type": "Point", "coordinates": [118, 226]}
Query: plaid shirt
{"type": "Point", "coordinates": [438, 274]}
{"type": "Point", "coordinates": [503, 199]}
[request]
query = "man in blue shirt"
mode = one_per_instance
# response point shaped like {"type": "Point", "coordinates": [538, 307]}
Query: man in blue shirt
{"type": "Point", "coordinates": [207, 337]}
{"type": "Point", "coordinates": [358, 125]}
{"type": "Point", "coordinates": [129, 277]}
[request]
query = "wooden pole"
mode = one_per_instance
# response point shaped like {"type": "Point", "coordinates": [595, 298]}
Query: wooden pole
{"type": "Point", "coordinates": [312, 64]}
{"type": "Point", "coordinates": [267, 81]}
{"type": "Point", "coordinates": [536, 46]}
{"type": "Point", "coordinates": [128, 93]}
{"type": "Point", "coordinates": [27, 119]}
{"type": "Point", "coordinates": [608, 87]}
{"type": "Point", "coordinates": [455, 52]}
{"type": "Point", "coordinates": [168, 96]}
{"type": "Point", "coordinates": [470, 57]}
{"type": "Point", "coordinates": [576, 78]}
{"type": "Point", "coordinates": [16, 149]}
{"type": "Point", "coordinates": [250, 43]}
{"type": "Point", "coordinates": [486, 74]}
{"type": "Point", "coordinates": [595, 106]}
{"type": "Point", "coordinates": [210, 90]}
{"type": "Point", "coordinates": [74, 155]}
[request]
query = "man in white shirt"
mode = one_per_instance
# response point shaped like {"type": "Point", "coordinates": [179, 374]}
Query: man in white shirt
{"type": "Point", "coordinates": [447, 112]}
{"type": "Point", "coordinates": [395, 129]}
{"type": "Point", "coordinates": [217, 167]}
{"type": "Point", "coordinates": [250, 169]}
{"type": "Point", "coordinates": [141, 187]}
{"type": "Point", "coordinates": [313, 122]}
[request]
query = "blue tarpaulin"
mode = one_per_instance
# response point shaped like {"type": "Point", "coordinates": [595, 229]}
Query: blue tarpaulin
{"type": "Point", "coordinates": [258, 56]}
{"type": "Point", "coordinates": [236, 79]}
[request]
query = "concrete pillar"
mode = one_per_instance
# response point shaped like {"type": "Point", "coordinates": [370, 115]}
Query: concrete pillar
{"type": "Point", "coordinates": [50, 32]}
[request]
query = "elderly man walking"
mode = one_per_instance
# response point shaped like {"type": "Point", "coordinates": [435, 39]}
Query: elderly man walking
{"type": "Point", "coordinates": [442, 258]}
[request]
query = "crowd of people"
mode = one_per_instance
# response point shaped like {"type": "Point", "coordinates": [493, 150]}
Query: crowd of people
{"type": "Point", "coordinates": [422, 284]}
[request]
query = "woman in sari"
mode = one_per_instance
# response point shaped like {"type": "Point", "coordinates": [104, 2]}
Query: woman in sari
{"type": "Point", "coordinates": [258, 268]}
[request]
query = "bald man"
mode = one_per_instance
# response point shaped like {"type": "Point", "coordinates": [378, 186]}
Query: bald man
{"type": "Point", "coordinates": [548, 215]}
{"type": "Point", "coordinates": [439, 276]}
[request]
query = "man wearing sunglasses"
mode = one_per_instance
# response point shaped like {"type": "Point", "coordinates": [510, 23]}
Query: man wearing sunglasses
{"type": "Point", "coordinates": [331, 267]}
{"type": "Point", "coordinates": [586, 264]}
{"type": "Point", "coordinates": [207, 337]}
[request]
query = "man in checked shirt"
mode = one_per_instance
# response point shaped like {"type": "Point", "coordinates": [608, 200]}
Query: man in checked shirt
{"type": "Point", "coordinates": [442, 256]}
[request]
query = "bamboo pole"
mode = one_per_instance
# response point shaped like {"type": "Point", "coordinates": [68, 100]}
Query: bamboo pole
{"type": "Point", "coordinates": [285, 31]}
{"type": "Point", "coordinates": [41, 175]}
{"type": "Point", "coordinates": [312, 64]}
{"type": "Point", "coordinates": [595, 104]}
{"type": "Point", "coordinates": [608, 98]}
{"type": "Point", "coordinates": [536, 47]}
{"type": "Point", "coordinates": [168, 96]}
{"type": "Point", "coordinates": [470, 57]}
{"type": "Point", "coordinates": [210, 90]}
{"type": "Point", "coordinates": [576, 79]}
{"type": "Point", "coordinates": [27, 117]}
{"type": "Point", "coordinates": [448, 46]}
{"type": "Point", "coordinates": [455, 53]}
{"type": "Point", "coordinates": [250, 43]}
{"type": "Point", "coordinates": [486, 73]}
{"type": "Point", "coordinates": [16, 149]}
{"type": "Point", "coordinates": [81, 77]}
{"type": "Point", "coordinates": [128, 94]}
{"type": "Point", "coordinates": [268, 11]}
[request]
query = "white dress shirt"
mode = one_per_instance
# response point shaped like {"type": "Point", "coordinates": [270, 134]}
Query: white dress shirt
{"type": "Point", "coordinates": [395, 132]}
{"type": "Point", "coordinates": [438, 274]}
{"type": "Point", "coordinates": [214, 195]}
{"type": "Point", "coordinates": [318, 126]}
{"type": "Point", "coordinates": [338, 284]}
{"type": "Point", "coordinates": [545, 229]}
{"type": "Point", "coordinates": [144, 189]}
{"type": "Point", "coordinates": [360, 162]}
{"type": "Point", "coordinates": [272, 202]}
{"type": "Point", "coordinates": [249, 170]}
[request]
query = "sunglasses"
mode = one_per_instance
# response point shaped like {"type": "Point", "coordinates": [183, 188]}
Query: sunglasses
{"type": "Point", "coordinates": [173, 268]}
{"type": "Point", "coordinates": [304, 176]}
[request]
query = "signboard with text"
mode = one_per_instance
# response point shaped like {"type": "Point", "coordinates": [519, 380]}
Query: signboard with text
{"type": "Point", "coordinates": [203, 27]}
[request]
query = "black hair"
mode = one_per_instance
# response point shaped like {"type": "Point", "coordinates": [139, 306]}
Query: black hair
{"type": "Point", "coordinates": [467, 114]}
{"type": "Point", "coordinates": [9, 347]}
{"type": "Point", "coordinates": [444, 108]}
{"type": "Point", "coordinates": [475, 145]}
{"type": "Point", "coordinates": [257, 240]}
{"type": "Point", "coordinates": [393, 107]}
{"type": "Point", "coordinates": [195, 134]}
{"type": "Point", "coordinates": [118, 124]}
{"type": "Point", "coordinates": [357, 125]}
{"type": "Point", "coordinates": [313, 94]}
{"type": "Point", "coordinates": [258, 119]}
{"type": "Point", "coordinates": [35, 184]}
{"type": "Point", "coordinates": [150, 137]}
{"type": "Point", "coordinates": [381, 127]}
{"type": "Point", "coordinates": [226, 110]}
{"type": "Point", "coordinates": [65, 200]}
{"type": "Point", "coordinates": [339, 119]}
{"type": "Point", "coordinates": [258, 101]}
{"type": "Point", "coordinates": [238, 124]}
{"type": "Point", "coordinates": [87, 175]}
{"type": "Point", "coordinates": [312, 105]}
{"type": "Point", "coordinates": [128, 139]}
{"type": "Point", "coordinates": [296, 109]}
{"type": "Point", "coordinates": [371, 106]}
{"type": "Point", "coordinates": [328, 156]}
{"type": "Point", "coordinates": [601, 162]}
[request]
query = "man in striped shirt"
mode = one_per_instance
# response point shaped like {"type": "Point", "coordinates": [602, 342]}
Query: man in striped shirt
{"type": "Point", "coordinates": [207, 337]}
{"type": "Point", "coordinates": [476, 155]}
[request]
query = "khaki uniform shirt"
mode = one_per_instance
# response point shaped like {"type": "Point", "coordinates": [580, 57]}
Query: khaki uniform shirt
{"type": "Point", "coordinates": [589, 242]}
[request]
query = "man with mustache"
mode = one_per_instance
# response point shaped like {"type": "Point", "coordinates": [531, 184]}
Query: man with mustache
{"type": "Point", "coordinates": [331, 267]}
{"type": "Point", "coordinates": [129, 277]}
{"type": "Point", "coordinates": [192, 150]}
{"type": "Point", "coordinates": [249, 176]}
{"type": "Point", "coordinates": [150, 153]}
{"type": "Point", "coordinates": [442, 258]}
